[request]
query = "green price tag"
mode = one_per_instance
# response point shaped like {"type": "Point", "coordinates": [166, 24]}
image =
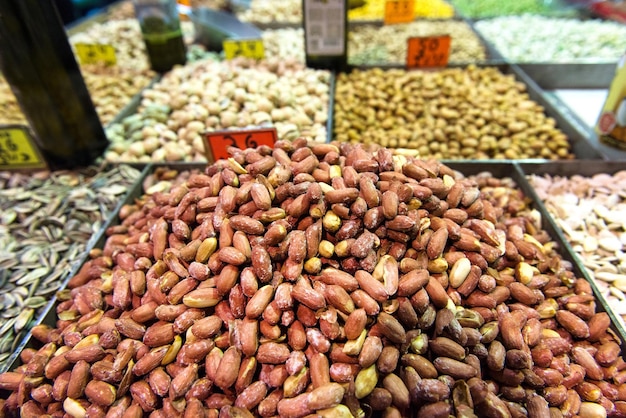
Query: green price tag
{"type": "Point", "coordinates": [95, 54]}
{"type": "Point", "coordinates": [249, 48]}
{"type": "Point", "coordinates": [17, 150]}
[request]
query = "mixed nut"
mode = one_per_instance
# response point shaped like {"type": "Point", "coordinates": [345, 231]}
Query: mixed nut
{"type": "Point", "coordinates": [324, 280]}
{"type": "Point", "coordinates": [375, 10]}
{"type": "Point", "coordinates": [375, 44]}
{"type": "Point", "coordinates": [209, 95]}
{"type": "Point", "coordinates": [47, 221]}
{"type": "Point", "coordinates": [591, 213]}
{"type": "Point", "coordinates": [491, 8]}
{"type": "Point", "coordinates": [469, 113]}
{"type": "Point", "coordinates": [531, 38]}
{"type": "Point", "coordinates": [271, 11]}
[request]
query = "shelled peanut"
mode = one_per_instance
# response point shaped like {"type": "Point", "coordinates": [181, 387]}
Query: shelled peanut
{"type": "Point", "coordinates": [373, 44]}
{"type": "Point", "coordinates": [468, 113]}
{"type": "Point", "coordinates": [591, 211]}
{"type": "Point", "coordinates": [209, 95]}
{"type": "Point", "coordinates": [330, 280]}
{"type": "Point", "coordinates": [375, 10]}
{"type": "Point", "coordinates": [121, 11]}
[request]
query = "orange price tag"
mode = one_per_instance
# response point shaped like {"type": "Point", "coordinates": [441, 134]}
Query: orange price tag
{"type": "Point", "coordinates": [427, 52]}
{"type": "Point", "coordinates": [399, 11]}
{"type": "Point", "coordinates": [216, 143]}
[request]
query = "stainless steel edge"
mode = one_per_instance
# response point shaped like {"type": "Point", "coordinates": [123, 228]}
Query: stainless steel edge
{"type": "Point", "coordinates": [575, 75]}
{"type": "Point", "coordinates": [517, 172]}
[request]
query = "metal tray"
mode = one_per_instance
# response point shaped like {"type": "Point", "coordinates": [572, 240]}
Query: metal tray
{"type": "Point", "coordinates": [517, 171]}
{"type": "Point", "coordinates": [582, 146]}
{"type": "Point", "coordinates": [132, 106]}
{"type": "Point", "coordinates": [48, 313]}
{"type": "Point", "coordinates": [568, 169]}
{"type": "Point", "coordinates": [606, 151]}
{"type": "Point", "coordinates": [552, 76]}
{"type": "Point", "coordinates": [499, 169]}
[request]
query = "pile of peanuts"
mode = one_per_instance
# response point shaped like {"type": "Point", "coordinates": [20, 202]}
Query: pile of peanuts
{"type": "Point", "coordinates": [373, 44]}
{"type": "Point", "coordinates": [455, 113]}
{"type": "Point", "coordinates": [209, 95]}
{"type": "Point", "coordinates": [323, 280]}
{"type": "Point", "coordinates": [375, 10]}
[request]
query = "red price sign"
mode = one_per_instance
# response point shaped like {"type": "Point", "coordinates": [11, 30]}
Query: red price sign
{"type": "Point", "coordinates": [216, 143]}
{"type": "Point", "coordinates": [399, 11]}
{"type": "Point", "coordinates": [428, 52]}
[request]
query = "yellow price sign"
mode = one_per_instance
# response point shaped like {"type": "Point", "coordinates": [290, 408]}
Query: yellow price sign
{"type": "Point", "coordinates": [399, 11]}
{"type": "Point", "coordinates": [96, 54]}
{"type": "Point", "coordinates": [17, 149]}
{"type": "Point", "coordinates": [249, 48]}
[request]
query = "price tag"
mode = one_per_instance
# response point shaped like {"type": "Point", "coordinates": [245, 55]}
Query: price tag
{"type": "Point", "coordinates": [216, 143]}
{"type": "Point", "coordinates": [95, 54]}
{"type": "Point", "coordinates": [428, 52]}
{"type": "Point", "coordinates": [249, 48]}
{"type": "Point", "coordinates": [17, 150]}
{"type": "Point", "coordinates": [399, 11]}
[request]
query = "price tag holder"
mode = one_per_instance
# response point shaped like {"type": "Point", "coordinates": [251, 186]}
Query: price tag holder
{"type": "Point", "coordinates": [249, 48]}
{"type": "Point", "coordinates": [17, 149]}
{"type": "Point", "coordinates": [399, 11]}
{"type": "Point", "coordinates": [96, 54]}
{"type": "Point", "coordinates": [216, 143]}
{"type": "Point", "coordinates": [428, 51]}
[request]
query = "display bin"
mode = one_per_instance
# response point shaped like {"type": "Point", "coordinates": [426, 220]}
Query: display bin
{"type": "Point", "coordinates": [569, 169]}
{"type": "Point", "coordinates": [518, 171]}
{"type": "Point", "coordinates": [582, 144]}
{"type": "Point", "coordinates": [493, 57]}
{"type": "Point", "coordinates": [607, 152]}
{"type": "Point", "coordinates": [498, 169]}
{"type": "Point", "coordinates": [46, 314]}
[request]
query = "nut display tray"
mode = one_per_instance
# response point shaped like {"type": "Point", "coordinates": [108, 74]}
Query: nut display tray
{"type": "Point", "coordinates": [496, 169]}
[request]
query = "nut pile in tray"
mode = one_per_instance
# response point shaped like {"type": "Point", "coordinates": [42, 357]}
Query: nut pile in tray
{"type": "Point", "coordinates": [209, 95]}
{"type": "Point", "coordinates": [324, 280]}
{"type": "Point", "coordinates": [455, 113]}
